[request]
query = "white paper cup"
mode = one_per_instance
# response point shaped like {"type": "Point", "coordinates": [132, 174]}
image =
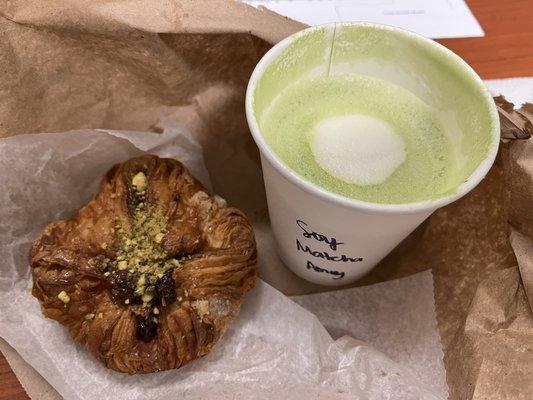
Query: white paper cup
{"type": "Point", "coordinates": [330, 239]}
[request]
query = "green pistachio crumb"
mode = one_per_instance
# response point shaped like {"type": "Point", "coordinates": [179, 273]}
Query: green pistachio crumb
{"type": "Point", "coordinates": [139, 290]}
{"type": "Point", "coordinates": [158, 238]}
{"type": "Point", "coordinates": [89, 317]}
{"type": "Point", "coordinates": [174, 262]}
{"type": "Point", "coordinates": [147, 298]}
{"type": "Point", "coordinates": [139, 181]}
{"type": "Point", "coordinates": [64, 297]}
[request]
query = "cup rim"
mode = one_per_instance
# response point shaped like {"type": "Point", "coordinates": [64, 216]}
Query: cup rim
{"type": "Point", "coordinates": [383, 208]}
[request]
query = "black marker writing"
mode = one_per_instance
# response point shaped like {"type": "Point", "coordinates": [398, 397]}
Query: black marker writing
{"type": "Point", "coordinates": [332, 242]}
{"type": "Point", "coordinates": [336, 274]}
{"type": "Point", "coordinates": [325, 255]}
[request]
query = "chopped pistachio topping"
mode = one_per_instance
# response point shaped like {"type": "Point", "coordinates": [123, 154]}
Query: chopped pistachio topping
{"type": "Point", "coordinates": [89, 317]}
{"type": "Point", "coordinates": [64, 297]}
{"type": "Point", "coordinates": [158, 238]}
{"type": "Point", "coordinates": [174, 262]}
{"type": "Point", "coordinates": [147, 298]}
{"type": "Point", "coordinates": [142, 255]}
{"type": "Point", "coordinates": [139, 181]}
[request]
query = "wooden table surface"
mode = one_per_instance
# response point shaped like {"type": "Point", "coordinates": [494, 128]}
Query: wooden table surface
{"type": "Point", "coordinates": [505, 51]}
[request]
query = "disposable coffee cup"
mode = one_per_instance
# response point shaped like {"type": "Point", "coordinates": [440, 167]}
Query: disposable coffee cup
{"type": "Point", "coordinates": [330, 239]}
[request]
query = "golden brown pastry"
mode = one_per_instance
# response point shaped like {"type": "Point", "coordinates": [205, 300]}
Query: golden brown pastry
{"type": "Point", "coordinates": [150, 273]}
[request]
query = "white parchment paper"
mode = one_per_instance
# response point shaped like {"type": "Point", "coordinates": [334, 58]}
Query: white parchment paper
{"type": "Point", "coordinates": [275, 348]}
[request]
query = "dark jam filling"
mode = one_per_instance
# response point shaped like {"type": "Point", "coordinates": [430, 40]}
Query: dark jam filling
{"type": "Point", "coordinates": [122, 286]}
{"type": "Point", "coordinates": [165, 289]}
{"type": "Point", "coordinates": [146, 328]}
{"type": "Point", "coordinates": [122, 289]}
{"type": "Point", "coordinates": [165, 295]}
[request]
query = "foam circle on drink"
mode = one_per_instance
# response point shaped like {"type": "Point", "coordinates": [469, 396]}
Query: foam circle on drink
{"type": "Point", "coordinates": [356, 148]}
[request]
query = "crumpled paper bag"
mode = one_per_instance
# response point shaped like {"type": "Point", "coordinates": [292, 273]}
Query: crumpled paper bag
{"type": "Point", "coordinates": [272, 343]}
{"type": "Point", "coordinates": [121, 65]}
{"type": "Point", "coordinates": [519, 170]}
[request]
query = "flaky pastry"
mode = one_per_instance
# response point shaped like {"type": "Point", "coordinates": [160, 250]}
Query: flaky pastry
{"type": "Point", "coordinates": [150, 273]}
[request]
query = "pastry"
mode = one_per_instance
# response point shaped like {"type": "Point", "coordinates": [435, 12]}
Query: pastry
{"type": "Point", "coordinates": [150, 273]}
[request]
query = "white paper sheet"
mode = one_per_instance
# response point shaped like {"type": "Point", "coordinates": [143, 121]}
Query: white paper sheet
{"type": "Point", "coordinates": [516, 90]}
{"type": "Point", "coordinates": [275, 348]}
{"type": "Point", "coordinates": [377, 315]}
{"type": "Point", "coordinates": [431, 18]}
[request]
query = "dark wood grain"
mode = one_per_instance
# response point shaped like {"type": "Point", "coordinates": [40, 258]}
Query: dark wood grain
{"type": "Point", "coordinates": [10, 388]}
{"type": "Point", "coordinates": [505, 51]}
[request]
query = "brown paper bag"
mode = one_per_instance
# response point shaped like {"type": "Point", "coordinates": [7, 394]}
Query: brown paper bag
{"type": "Point", "coordinates": [73, 64]}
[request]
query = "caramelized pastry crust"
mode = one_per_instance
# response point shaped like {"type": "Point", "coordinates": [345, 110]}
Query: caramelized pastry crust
{"type": "Point", "coordinates": [150, 273]}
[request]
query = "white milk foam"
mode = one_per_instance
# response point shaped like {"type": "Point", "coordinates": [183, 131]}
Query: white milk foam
{"type": "Point", "coordinates": [357, 149]}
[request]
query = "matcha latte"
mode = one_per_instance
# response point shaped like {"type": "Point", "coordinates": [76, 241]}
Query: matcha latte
{"type": "Point", "coordinates": [363, 130]}
{"type": "Point", "coordinates": [374, 114]}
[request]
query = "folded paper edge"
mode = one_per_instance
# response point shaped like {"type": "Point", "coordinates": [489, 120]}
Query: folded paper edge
{"type": "Point", "coordinates": [184, 16]}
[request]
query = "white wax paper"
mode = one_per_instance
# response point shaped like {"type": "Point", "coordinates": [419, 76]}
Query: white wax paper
{"type": "Point", "coordinates": [275, 348]}
{"type": "Point", "coordinates": [395, 317]}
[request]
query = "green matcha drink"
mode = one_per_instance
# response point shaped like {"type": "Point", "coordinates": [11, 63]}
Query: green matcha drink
{"type": "Point", "coordinates": [363, 130]}
{"type": "Point", "coordinates": [369, 115]}
{"type": "Point", "coordinates": [360, 137]}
